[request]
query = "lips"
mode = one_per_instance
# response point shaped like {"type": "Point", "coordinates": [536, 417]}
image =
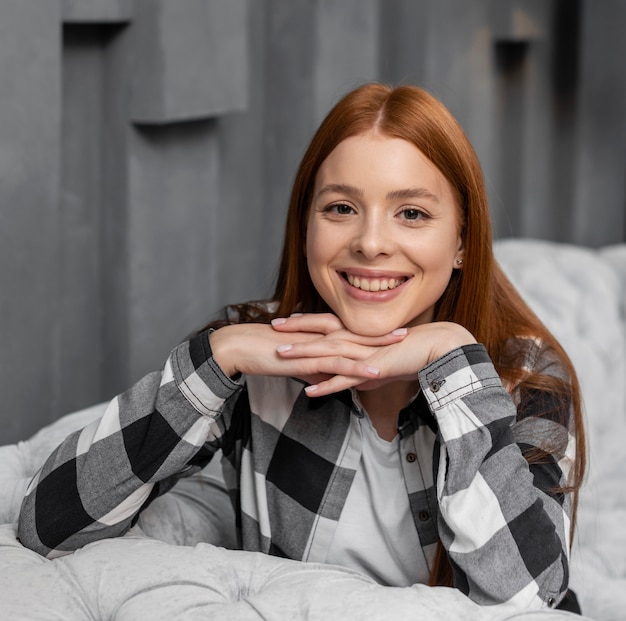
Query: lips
{"type": "Point", "coordinates": [365, 283]}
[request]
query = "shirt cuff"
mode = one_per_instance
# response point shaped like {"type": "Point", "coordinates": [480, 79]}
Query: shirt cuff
{"type": "Point", "coordinates": [458, 373]}
{"type": "Point", "coordinates": [199, 378]}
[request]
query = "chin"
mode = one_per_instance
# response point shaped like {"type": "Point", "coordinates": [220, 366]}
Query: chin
{"type": "Point", "coordinates": [370, 328]}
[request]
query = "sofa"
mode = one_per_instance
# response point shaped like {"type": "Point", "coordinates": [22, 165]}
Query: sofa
{"type": "Point", "coordinates": [178, 563]}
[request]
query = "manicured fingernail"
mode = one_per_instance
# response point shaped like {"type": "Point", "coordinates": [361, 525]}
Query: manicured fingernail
{"type": "Point", "coordinates": [279, 321]}
{"type": "Point", "coordinates": [296, 314]}
{"type": "Point", "coordinates": [282, 348]}
{"type": "Point", "coordinates": [400, 331]}
{"type": "Point", "coordinates": [373, 370]}
{"type": "Point", "coordinates": [311, 388]}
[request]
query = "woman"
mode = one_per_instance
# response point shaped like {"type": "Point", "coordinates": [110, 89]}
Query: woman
{"type": "Point", "coordinates": [395, 407]}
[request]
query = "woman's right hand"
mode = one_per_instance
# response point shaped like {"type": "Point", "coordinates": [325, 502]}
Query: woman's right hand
{"type": "Point", "coordinates": [253, 349]}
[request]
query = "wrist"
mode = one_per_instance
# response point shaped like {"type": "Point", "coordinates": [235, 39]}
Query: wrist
{"type": "Point", "coordinates": [222, 349]}
{"type": "Point", "coordinates": [454, 336]}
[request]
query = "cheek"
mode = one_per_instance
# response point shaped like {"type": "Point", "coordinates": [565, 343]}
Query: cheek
{"type": "Point", "coordinates": [314, 252]}
{"type": "Point", "coordinates": [320, 246]}
{"type": "Point", "coordinates": [310, 247]}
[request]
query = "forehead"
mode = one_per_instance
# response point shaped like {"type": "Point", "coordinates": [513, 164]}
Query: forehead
{"type": "Point", "coordinates": [372, 159]}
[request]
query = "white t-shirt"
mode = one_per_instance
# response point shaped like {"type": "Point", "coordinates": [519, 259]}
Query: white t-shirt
{"type": "Point", "coordinates": [376, 534]}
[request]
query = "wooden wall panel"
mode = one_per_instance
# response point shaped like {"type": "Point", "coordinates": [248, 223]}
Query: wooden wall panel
{"type": "Point", "coordinates": [146, 159]}
{"type": "Point", "coordinates": [346, 49]}
{"type": "Point", "coordinates": [518, 20]}
{"type": "Point", "coordinates": [246, 141]}
{"type": "Point", "coordinates": [403, 27]}
{"type": "Point", "coordinates": [172, 238]}
{"type": "Point", "coordinates": [96, 11]}
{"type": "Point", "coordinates": [80, 203]}
{"type": "Point", "coordinates": [189, 59]}
{"type": "Point", "coordinates": [30, 72]}
{"type": "Point", "coordinates": [601, 136]}
{"type": "Point", "coordinates": [114, 190]}
{"type": "Point", "coordinates": [289, 106]}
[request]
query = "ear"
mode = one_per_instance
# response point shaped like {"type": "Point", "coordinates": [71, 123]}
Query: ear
{"type": "Point", "coordinates": [460, 254]}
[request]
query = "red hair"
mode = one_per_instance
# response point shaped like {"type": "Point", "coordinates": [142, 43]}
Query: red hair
{"type": "Point", "coordinates": [478, 296]}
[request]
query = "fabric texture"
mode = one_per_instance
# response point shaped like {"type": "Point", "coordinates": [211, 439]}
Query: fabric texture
{"type": "Point", "coordinates": [377, 511]}
{"type": "Point", "coordinates": [289, 462]}
{"type": "Point", "coordinates": [133, 578]}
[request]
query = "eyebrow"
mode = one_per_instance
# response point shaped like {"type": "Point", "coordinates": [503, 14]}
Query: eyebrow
{"type": "Point", "coordinates": [413, 193]}
{"type": "Point", "coordinates": [340, 188]}
{"type": "Point", "coordinates": [343, 188]}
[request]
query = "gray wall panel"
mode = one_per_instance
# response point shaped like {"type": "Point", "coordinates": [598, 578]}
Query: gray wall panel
{"type": "Point", "coordinates": [147, 151]}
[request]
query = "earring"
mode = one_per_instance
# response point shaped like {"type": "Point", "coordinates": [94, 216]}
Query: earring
{"type": "Point", "coordinates": [459, 261]}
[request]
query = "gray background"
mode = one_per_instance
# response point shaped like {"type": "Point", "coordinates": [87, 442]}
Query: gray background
{"type": "Point", "coordinates": [147, 149]}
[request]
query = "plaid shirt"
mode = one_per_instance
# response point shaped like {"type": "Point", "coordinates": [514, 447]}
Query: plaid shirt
{"type": "Point", "coordinates": [289, 461]}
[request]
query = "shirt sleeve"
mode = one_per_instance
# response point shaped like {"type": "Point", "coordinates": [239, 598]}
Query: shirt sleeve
{"type": "Point", "coordinates": [505, 530]}
{"type": "Point", "coordinates": [96, 482]}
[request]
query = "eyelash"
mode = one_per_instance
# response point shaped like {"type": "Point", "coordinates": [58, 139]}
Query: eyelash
{"type": "Point", "coordinates": [419, 213]}
{"type": "Point", "coordinates": [334, 208]}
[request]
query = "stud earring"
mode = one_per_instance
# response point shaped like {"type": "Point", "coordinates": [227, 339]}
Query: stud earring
{"type": "Point", "coordinates": [459, 261]}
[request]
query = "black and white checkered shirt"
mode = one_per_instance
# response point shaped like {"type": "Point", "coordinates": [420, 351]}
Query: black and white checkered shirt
{"type": "Point", "coordinates": [289, 461]}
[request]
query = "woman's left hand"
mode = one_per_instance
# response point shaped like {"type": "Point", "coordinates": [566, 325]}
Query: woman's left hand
{"type": "Point", "coordinates": [401, 360]}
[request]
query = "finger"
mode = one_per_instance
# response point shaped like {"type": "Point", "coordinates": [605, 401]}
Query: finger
{"type": "Point", "coordinates": [333, 385]}
{"type": "Point", "coordinates": [328, 366]}
{"type": "Point", "coordinates": [323, 323]}
{"type": "Point", "coordinates": [341, 341]}
{"type": "Point", "coordinates": [315, 378]}
{"type": "Point", "coordinates": [322, 348]}
{"type": "Point", "coordinates": [338, 365]}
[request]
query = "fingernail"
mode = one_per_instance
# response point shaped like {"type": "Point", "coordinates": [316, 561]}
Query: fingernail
{"type": "Point", "coordinates": [296, 314]}
{"type": "Point", "coordinates": [279, 321]}
{"type": "Point", "coordinates": [282, 348]}
{"type": "Point", "coordinates": [400, 331]}
{"type": "Point", "coordinates": [373, 370]}
{"type": "Point", "coordinates": [311, 388]}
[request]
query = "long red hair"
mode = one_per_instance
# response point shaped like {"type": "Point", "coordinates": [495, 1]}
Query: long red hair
{"type": "Point", "coordinates": [479, 296]}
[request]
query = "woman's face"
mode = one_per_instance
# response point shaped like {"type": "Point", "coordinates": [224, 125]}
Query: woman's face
{"type": "Point", "coordinates": [383, 234]}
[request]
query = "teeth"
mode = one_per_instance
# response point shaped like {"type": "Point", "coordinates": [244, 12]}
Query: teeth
{"type": "Point", "coordinates": [374, 284]}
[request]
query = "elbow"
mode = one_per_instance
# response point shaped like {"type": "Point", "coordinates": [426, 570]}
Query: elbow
{"type": "Point", "coordinates": [543, 591]}
{"type": "Point", "coordinates": [27, 530]}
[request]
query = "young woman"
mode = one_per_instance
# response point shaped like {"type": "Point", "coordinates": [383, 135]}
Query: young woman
{"type": "Point", "coordinates": [395, 407]}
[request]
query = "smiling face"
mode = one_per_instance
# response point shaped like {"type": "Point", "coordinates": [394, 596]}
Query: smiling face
{"type": "Point", "coordinates": [383, 234]}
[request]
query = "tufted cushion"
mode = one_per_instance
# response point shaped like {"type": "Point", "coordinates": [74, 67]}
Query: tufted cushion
{"type": "Point", "coordinates": [580, 294]}
{"type": "Point", "coordinates": [135, 578]}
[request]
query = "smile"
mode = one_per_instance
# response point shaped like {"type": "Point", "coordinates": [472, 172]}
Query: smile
{"type": "Point", "coordinates": [374, 284]}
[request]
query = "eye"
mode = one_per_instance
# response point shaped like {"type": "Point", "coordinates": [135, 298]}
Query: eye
{"type": "Point", "coordinates": [413, 214]}
{"type": "Point", "coordinates": [341, 209]}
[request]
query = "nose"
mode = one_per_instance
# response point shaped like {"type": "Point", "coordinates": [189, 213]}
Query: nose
{"type": "Point", "coordinates": [372, 238]}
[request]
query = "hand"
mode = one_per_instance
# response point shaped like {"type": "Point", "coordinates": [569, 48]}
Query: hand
{"type": "Point", "coordinates": [256, 349]}
{"type": "Point", "coordinates": [399, 360]}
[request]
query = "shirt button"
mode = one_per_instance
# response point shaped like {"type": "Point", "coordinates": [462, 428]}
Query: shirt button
{"type": "Point", "coordinates": [423, 516]}
{"type": "Point", "coordinates": [411, 457]}
{"type": "Point", "coordinates": [436, 385]}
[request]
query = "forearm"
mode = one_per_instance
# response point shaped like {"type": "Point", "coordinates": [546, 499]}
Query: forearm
{"type": "Point", "coordinates": [505, 537]}
{"type": "Point", "coordinates": [99, 478]}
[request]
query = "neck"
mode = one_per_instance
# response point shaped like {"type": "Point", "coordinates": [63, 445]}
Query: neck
{"type": "Point", "coordinates": [383, 404]}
